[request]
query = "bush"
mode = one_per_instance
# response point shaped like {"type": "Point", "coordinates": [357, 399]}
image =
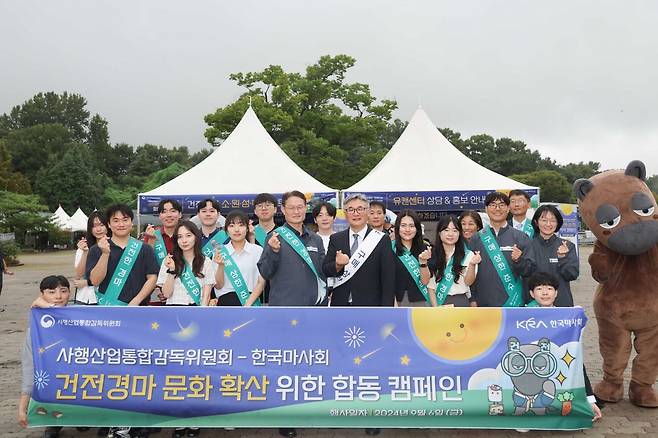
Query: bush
{"type": "Point", "coordinates": [10, 250]}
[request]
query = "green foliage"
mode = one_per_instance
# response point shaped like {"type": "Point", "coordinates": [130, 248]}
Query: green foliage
{"type": "Point", "coordinates": [554, 187]}
{"type": "Point", "coordinates": [329, 127]}
{"type": "Point", "coordinates": [22, 213]}
{"type": "Point", "coordinates": [652, 182]}
{"type": "Point", "coordinates": [573, 171]}
{"type": "Point", "coordinates": [9, 180]}
{"type": "Point", "coordinates": [72, 181]}
{"type": "Point", "coordinates": [10, 250]}
{"type": "Point", "coordinates": [160, 177]}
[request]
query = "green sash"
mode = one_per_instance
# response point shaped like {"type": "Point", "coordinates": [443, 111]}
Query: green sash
{"type": "Point", "coordinates": [512, 285]}
{"type": "Point", "coordinates": [208, 249]}
{"type": "Point", "coordinates": [527, 228]}
{"type": "Point", "coordinates": [120, 275]}
{"type": "Point", "coordinates": [261, 235]}
{"type": "Point", "coordinates": [447, 280]}
{"type": "Point", "coordinates": [191, 284]}
{"type": "Point", "coordinates": [159, 247]}
{"type": "Point", "coordinates": [298, 246]}
{"type": "Point", "coordinates": [232, 271]}
{"type": "Point", "coordinates": [533, 303]}
{"type": "Point", "coordinates": [413, 267]}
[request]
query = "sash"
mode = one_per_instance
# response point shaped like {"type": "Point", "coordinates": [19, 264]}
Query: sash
{"type": "Point", "coordinates": [298, 246]}
{"type": "Point", "coordinates": [447, 280]}
{"type": "Point", "coordinates": [218, 239]}
{"type": "Point", "coordinates": [527, 228]}
{"type": "Point", "coordinates": [532, 303]}
{"type": "Point", "coordinates": [191, 284]}
{"type": "Point", "coordinates": [261, 235]}
{"type": "Point", "coordinates": [512, 286]}
{"type": "Point", "coordinates": [232, 271]}
{"type": "Point", "coordinates": [356, 260]}
{"type": "Point", "coordinates": [159, 247]}
{"type": "Point", "coordinates": [413, 267]}
{"type": "Point", "coordinates": [121, 272]}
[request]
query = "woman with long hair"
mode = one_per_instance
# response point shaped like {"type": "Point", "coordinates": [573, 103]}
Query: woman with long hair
{"type": "Point", "coordinates": [452, 280]}
{"type": "Point", "coordinates": [238, 283]}
{"type": "Point", "coordinates": [411, 265]}
{"type": "Point", "coordinates": [186, 276]}
{"type": "Point", "coordinates": [554, 255]}
{"type": "Point", "coordinates": [96, 229]}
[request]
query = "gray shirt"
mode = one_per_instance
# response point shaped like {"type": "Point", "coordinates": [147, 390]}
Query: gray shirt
{"type": "Point", "coordinates": [292, 283]}
{"type": "Point", "coordinates": [565, 269]}
{"type": "Point", "coordinates": [488, 289]}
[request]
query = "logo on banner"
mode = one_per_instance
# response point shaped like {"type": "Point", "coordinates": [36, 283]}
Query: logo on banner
{"type": "Point", "coordinates": [47, 321]}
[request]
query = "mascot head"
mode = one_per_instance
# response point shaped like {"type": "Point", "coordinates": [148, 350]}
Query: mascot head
{"type": "Point", "coordinates": [620, 209]}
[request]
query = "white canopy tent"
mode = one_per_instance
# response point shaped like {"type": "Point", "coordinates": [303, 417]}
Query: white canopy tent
{"type": "Point", "coordinates": [79, 221]}
{"type": "Point", "coordinates": [425, 172]}
{"type": "Point", "coordinates": [61, 219]}
{"type": "Point", "coordinates": [247, 163]}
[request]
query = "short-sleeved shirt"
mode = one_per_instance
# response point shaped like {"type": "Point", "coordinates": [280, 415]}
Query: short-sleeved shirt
{"type": "Point", "coordinates": [459, 287]}
{"type": "Point", "coordinates": [85, 294]}
{"type": "Point", "coordinates": [247, 261]}
{"type": "Point", "coordinates": [145, 264]}
{"type": "Point", "coordinates": [180, 295]}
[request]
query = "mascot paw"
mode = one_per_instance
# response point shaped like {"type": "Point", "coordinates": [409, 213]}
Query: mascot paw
{"type": "Point", "coordinates": [642, 395]}
{"type": "Point", "coordinates": [609, 392]}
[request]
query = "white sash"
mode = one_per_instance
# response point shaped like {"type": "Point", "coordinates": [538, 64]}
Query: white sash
{"type": "Point", "coordinates": [362, 253]}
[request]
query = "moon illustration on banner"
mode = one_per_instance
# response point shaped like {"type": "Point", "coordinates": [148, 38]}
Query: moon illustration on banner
{"type": "Point", "coordinates": [185, 333]}
{"type": "Point", "coordinates": [455, 333]}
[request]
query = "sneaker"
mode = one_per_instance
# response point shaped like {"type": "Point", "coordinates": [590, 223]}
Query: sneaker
{"type": "Point", "coordinates": [119, 432]}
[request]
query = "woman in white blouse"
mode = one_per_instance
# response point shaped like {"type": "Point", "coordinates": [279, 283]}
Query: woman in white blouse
{"type": "Point", "coordinates": [245, 256]}
{"type": "Point", "coordinates": [96, 229]}
{"type": "Point", "coordinates": [450, 246]}
{"type": "Point", "coordinates": [187, 252]}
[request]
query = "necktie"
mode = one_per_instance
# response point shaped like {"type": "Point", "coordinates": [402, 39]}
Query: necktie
{"type": "Point", "coordinates": [355, 245]}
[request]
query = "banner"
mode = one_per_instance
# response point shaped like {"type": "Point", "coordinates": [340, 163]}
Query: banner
{"type": "Point", "coordinates": [309, 367]}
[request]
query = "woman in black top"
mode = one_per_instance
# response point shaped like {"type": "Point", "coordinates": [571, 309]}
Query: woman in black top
{"type": "Point", "coordinates": [409, 238]}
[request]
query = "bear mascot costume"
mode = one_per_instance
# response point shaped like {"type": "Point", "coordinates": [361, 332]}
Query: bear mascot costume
{"type": "Point", "coordinates": [621, 211]}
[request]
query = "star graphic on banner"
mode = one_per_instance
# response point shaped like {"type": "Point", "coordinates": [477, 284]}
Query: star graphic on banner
{"type": "Point", "coordinates": [357, 360]}
{"type": "Point", "coordinates": [42, 350]}
{"type": "Point", "coordinates": [568, 358]}
{"type": "Point", "coordinates": [294, 322]}
{"type": "Point", "coordinates": [561, 378]}
{"type": "Point", "coordinates": [404, 360]}
{"type": "Point", "coordinates": [155, 326]}
{"type": "Point", "coordinates": [227, 333]}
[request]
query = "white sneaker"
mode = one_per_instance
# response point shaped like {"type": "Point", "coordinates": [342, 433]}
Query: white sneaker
{"type": "Point", "coordinates": [119, 432]}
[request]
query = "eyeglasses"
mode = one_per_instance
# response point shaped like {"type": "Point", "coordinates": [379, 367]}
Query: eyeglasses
{"type": "Point", "coordinates": [547, 221]}
{"type": "Point", "coordinates": [264, 205]}
{"type": "Point", "coordinates": [352, 210]}
{"type": "Point", "coordinates": [497, 205]}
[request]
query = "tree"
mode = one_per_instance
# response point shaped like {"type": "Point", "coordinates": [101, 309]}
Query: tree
{"type": "Point", "coordinates": [573, 171]}
{"type": "Point", "coordinates": [9, 180]}
{"type": "Point", "coordinates": [98, 139]}
{"type": "Point", "coordinates": [554, 187]}
{"type": "Point", "coordinates": [72, 181]}
{"type": "Point", "coordinates": [318, 118]}
{"type": "Point", "coordinates": [119, 161]}
{"type": "Point", "coordinates": [22, 213]}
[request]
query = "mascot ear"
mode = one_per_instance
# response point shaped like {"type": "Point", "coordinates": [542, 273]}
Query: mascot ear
{"type": "Point", "coordinates": [636, 168]}
{"type": "Point", "coordinates": [582, 187]}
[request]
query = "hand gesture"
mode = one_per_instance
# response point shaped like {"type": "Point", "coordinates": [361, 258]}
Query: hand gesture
{"type": "Point", "coordinates": [516, 253]}
{"type": "Point", "coordinates": [476, 259]}
{"type": "Point", "coordinates": [252, 229]}
{"type": "Point", "coordinates": [80, 283]}
{"type": "Point", "coordinates": [341, 259]}
{"type": "Point", "coordinates": [104, 245]}
{"type": "Point", "coordinates": [563, 249]}
{"type": "Point", "coordinates": [274, 242]}
{"type": "Point", "coordinates": [424, 256]}
{"type": "Point", "coordinates": [149, 231]}
{"type": "Point", "coordinates": [217, 258]}
{"type": "Point", "coordinates": [82, 244]}
{"type": "Point", "coordinates": [169, 262]}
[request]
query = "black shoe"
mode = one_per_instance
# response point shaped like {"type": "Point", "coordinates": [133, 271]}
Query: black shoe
{"type": "Point", "coordinates": [373, 432]}
{"type": "Point", "coordinates": [51, 432]}
{"type": "Point", "coordinates": [82, 429]}
{"type": "Point", "coordinates": [103, 431]}
{"type": "Point", "coordinates": [193, 431]}
{"type": "Point", "coordinates": [179, 433]}
{"type": "Point", "coordinates": [288, 432]}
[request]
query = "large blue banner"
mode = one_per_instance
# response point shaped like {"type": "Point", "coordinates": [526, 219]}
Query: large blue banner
{"type": "Point", "coordinates": [309, 367]}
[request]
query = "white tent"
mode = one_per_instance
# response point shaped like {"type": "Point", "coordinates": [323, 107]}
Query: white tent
{"type": "Point", "coordinates": [248, 162]}
{"type": "Point", "coordinates": [79, 221]}
{"type": "Point", "coordinates": [424, 171]}
{"type": "Point", "coordinates": [61, 219]}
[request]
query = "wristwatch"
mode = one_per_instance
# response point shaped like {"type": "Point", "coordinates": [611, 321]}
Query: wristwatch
{"type": "Point", "coordinates": [171, 271]}
{"type": "Point", "coordinates": [423, 265]}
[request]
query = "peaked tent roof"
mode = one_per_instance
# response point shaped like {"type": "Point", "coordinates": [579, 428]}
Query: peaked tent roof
{"type": "Point", "coordinates": [79, 221]}
{"type": "Point", "coordinates": [432, 164]}
{"type": "Point", "coordinates": [226, 171]}
{"type": "Point", "coordinates": [61, 219]}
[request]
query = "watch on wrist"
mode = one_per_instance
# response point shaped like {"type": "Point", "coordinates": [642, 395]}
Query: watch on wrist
{"type": "Point", "coordinates": [423, 265]}
{"type": "Point", "coordinates": [171, 271]}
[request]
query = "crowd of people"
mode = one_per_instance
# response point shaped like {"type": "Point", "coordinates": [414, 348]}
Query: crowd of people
{"type": "Point", "coordinates": [236, 261]}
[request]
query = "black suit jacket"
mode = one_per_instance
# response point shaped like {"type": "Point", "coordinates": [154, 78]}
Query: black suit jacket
{"type": "Point", "coordinates": [373, 284]}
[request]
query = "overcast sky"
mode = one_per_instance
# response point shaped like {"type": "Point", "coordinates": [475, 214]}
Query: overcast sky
{"type": "Point", "coordinates": [577, 80]}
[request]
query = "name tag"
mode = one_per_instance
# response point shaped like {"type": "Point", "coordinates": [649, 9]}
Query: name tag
{"type": "Point", "coordinates": [311, 249]}
{"type": "Point", "coordinates": [555, 260]}
{"type": "Point", "coordinates": [506, 248]}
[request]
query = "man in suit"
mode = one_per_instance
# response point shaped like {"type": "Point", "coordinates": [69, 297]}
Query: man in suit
{"type": "Point", "coordinates": [373, 283]}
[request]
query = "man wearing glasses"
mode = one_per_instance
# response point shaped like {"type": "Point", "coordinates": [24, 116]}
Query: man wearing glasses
{"type": "Point", "coordinates": [506, 257]}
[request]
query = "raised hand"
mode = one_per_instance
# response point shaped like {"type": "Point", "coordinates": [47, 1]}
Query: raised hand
{"type": "Point", "coordinates": [252, 229]}
{"type": "Point", "coordinates": [217, 258]}
{"type": "Point", "coordinates": [82, 244]}
{"type": "Point", "coordinates": [104, 244]}
{"type": "Point", "coordinates": [149, 231]}
{"type": "Point", "coordinates": [274, 242]}
{"type": "Point", "coordinates": [169, 262]}
{"type": "Point", "coordinates": [516, 253]}
{"type": "Point", "coordinates": [476, 259]}
{"type": "Point", "coordinates": [563, 249]}
{"type": "Point", "coordinates": [341, 259]}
